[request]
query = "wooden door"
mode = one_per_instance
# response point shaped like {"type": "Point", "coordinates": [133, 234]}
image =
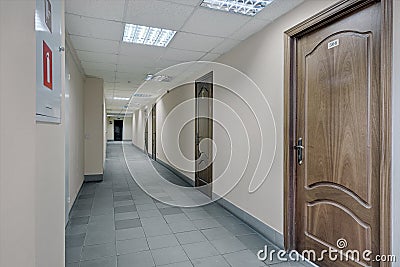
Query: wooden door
{"type": "Point", "coordinates": [153, 132]}
{"type": "Point", "coordinates": [204, 133]}
{"type": "Point", "coordinates": [118, 124]}
{"type": "Point", "coordinates": [146, 137]}
{"type": "Point", "coordinates": [337, 143]}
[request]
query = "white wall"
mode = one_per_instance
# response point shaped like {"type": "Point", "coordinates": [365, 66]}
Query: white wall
{"type": "Point", "coordinates": [50, 184]}
{"type": "Point", "coordinates": [138, 121]}
{"type": "Point", "coordinates": [94, 124]}
{"type": "Point", "coordinates": [186, 138]}
{"type": "Point", "coordinates": [76, 128]}
{"type": "Point", "coordinates": [127, 129]}
{"type": "Point", "coordinates": [17, 134]}
{"type": "Point", "coordinates": [110, 129]}
{"type": "Point", "coordinates": [396, 135]}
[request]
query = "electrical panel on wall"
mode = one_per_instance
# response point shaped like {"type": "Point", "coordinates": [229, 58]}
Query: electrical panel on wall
{"type": "Point", "coordinates": [48, 60]}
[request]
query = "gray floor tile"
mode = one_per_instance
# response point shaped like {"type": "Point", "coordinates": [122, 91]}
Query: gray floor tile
{"type": "Point", "coordinates": [138, 259]}
{"type": "Point", "coordinates": [104, 262]}
{"type": "Point", "coordinates": [214, 261]}
{"type": "Point", "coordinates": [173, 218]}
{"type": "Point", "coordinates": [200, 250]}
{"type": "Point", "coordinates": [206, 223]}
{"type": "Point", "coordinates": [179, 227]}
{"type": "Point", "coordinates": [130, 233]}
{"type": "Point", "coordinates": [243, 258]}
{"type": "Point", "coordinates": [178, 264]}
{"type": "Point", "coordinates": [73, 254]}
{"type": "Point", "coordinates": [162, 241]}
{"type": "Point", "coordinates": [253, 241]}
{"type": "Point", "coordinates": [198, 215]}
{"type": "Point", "coordinates": [131, 246]}
{"type": "Point", "coordinates": [101, 218]}
{"type": "Point", "coordinates": [99, 237]}
{"type": "Point", "coordinates": [228, 245]}
{"type": "Point", "coordinates": [151, 206]}
{"type": "Point", "coordinates": [121, 198]}
{"type": "Point", "coordinates": [98, 251]}
{"type": "Point", "coordinates": [190, 237]}
{"type": "Point", "coordinates": [217, 233]}
{"type": "Point", "coordinates": [79, 220]}
{"type": "Point", "coordinates": [169, 255]}
{"type": "Point", "coordinates": [125, 224]}
{"type": "Point", "coordinates": [74, 240]}
{"type": "Point", "coordinates": [126, 216]}
{"type": "Point", "coordinates": [76, 229]}
{"type": "Point", "coordinates": [123, 209]}
{"type": "Point", "coordinates": [124, 203]}
{"type": "Point", "coordinates": [75, 264]}
{"type": "Point", "coordinates": [239, 229]}
{"type": "Point", "coordinates": [169, 211]}
{"type": "Point", "coordinates": [156, 229]}
{"type": "Point", "coordinates": [149, 213]}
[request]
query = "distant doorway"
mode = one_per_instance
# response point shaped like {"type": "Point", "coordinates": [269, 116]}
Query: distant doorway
{"type": "Point", "coordinates": [118, 125]}
{"type": "Point", "coordinates": [153, 133]}
{"type": "Point", "coordinates": [146, 137]}
{"type": "Point", "coordinates": [204, 133]}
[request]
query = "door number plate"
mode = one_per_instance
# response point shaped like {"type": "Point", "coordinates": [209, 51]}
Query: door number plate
{"type": "Point", "coordinates": [333, 43]}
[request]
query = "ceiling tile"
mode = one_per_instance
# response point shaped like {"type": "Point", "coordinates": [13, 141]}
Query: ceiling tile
{"type": "Point", "coordinates": [277, 9]}
{"type": "Point", "coordinates": [182, 55]}
{"type": "Point", "coordinates": [130, 77]}
{"type": "Point", "coordinates": [96, 28]}
{"type": "Point", "coordinates": [134, 68]}
{"type": "Point", "coordinates": [97, 8]}
{"type": "Point", "coordinates": [155, 13]}
{"type": "Point", "coordinates": [186, 2]}
{"type": "Point", "coordinates": [214, 23]}
{"type": "Point", "coordinates": [99, 66]}
{"type": "Point", "coordinates": [97, 57]}
{"type": "Point", "coordinates": [94, 45]}
{"type": "Point", "coordinates": [138, 50]}
{"type": "Point", "coordinates": [225, 46]}
{"type": "Point", "coordinates": [210, 57]}
{"type": "Point", "coordinates": [249, 29]}
{"type": "Point", "coordinates": [106, 75]}
{"type": "Point", "coordinates": [195, 42]}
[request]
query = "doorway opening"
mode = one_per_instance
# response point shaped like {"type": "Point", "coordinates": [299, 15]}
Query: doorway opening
{"type": "Point", "coordinates": [204, 133]}
{"type": "Point", "coordinates": [153, 132]}
{"type": "Point", "coordinates": [118, 127]}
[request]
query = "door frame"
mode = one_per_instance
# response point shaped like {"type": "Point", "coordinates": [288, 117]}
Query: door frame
{"type": "Point", "coordinates": [207, 78]}
{"type": "Point", "coordinates": [333, 13]}
{"type": "Point", "coordinates": [154, 132]}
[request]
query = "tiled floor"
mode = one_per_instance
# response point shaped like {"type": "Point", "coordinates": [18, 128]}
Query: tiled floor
{"type": "Point", "coordinates": [115, 223]}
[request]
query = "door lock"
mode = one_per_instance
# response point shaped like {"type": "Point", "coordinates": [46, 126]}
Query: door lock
{"type": "Point", "coordinates": [299, 147]}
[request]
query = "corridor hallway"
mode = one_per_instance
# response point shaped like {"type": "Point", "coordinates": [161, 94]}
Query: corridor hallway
{"type": "Point", "coordinates": [115, 223]}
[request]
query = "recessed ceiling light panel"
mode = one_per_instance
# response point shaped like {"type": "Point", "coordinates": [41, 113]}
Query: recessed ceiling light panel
{"type": "Point", "coordinates": [121, 98]}
{"type": "Point", "coordinates": [245, 7]}
{"type": "Point", "coordinates": [139, 34]}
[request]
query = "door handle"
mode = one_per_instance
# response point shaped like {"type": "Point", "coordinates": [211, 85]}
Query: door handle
{"type": "Point", "coordinates": [299, 147]}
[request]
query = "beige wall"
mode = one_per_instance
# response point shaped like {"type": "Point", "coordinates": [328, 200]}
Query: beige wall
{"type": "Point", "coordinates": [138, 121]}
{"type": "Point", "coordinates": [186, 138]}
{"type": "Point", "coordinates": [50, 185]}
{"type": "Point", "coordinates": [94, 123]}
{"type": "Point", "coordinates": [127, 129]}
{"type": "Point", "coordinates": [76, 128]}
{"type": "Point", "coordinates": [110, 129]}
{"type": "Point", "coordinates": [17, 134]}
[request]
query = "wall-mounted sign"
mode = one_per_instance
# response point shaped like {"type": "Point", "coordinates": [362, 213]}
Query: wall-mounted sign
{"type": "Point", "coordinates": [48, 60]}
{"type": "Point", "coordinates": [47, 66]}
{"type": "Point", "coordinates": [47, 11]}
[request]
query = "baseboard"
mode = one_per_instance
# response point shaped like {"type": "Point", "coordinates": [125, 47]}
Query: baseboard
{"type": "Point", "coordinates": [262, 228]}
{"type": "Point", "coordinates": [93, 178]}
{"type": "Point", "coordinates": [185, 178]}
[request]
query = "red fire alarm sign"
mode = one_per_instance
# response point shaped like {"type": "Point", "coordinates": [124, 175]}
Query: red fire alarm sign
{"type": "Point", "coordinates": [47, 66]}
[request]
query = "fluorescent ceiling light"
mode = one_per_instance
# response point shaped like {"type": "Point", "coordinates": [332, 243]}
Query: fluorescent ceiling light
{"type": "Point", "coordinates": [245, 7]}
{"type": "Point", "coordinates": [121, 98]}
{"type": "Point", "coordinates": [158, 78]}
{"type": "Point", "coordinates": [147, 35]}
